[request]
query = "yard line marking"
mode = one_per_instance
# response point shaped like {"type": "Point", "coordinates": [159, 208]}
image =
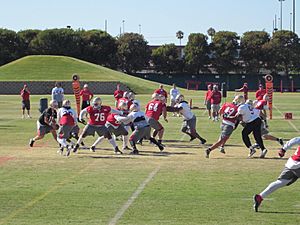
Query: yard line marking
{"type": "Point", "coordinates": [42, 196]}
{"type": "Point", "coordinates": [134, 196]}
{"type": "Point", "coordinates": [290, 122]}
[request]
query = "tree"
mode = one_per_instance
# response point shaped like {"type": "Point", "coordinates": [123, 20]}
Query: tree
{"type": "Point", "coordinates": [179, 35]}
{"type": "Point", "coordinates": [10, 46]}
{"type": "Point", "coordinates": [166, 58]}
{"type": "Point", "coordinates": [225, 51]}
{"type": "Point", "coordinates": [196, 52]}
{"type": "Point", "coordinates": [26, 37]}
{"type": "Point", "coordinates": [283, 51]}
{"type": "Point", "coordinates": [57, 42]}
{"type": "Point", "coordinates": [211, 32]}
{"type": "Point", "coordinates": [253, 52]}
{"type": "Point", "coordinates": [133, 52]}
{"type": "Point", "coordinates": [98, 47]}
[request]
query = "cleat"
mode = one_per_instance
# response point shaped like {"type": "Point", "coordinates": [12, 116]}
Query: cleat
{"type": "Point", "coordinates": [281, 153]}
{"type": "Point", "coordinates": [68, 151]}
{"type": "Point", "coordinates": [117, 151]}
{"type": "Point", "coordinates": [280, 141]}
{"type": "Point", "coordinates": [134, 152]}
{"type": "Point", "coordinates": [126, 148]}
{"type": "Point", "coordinates": [82, 143]}
{"type": "Point", "coordinates": [252, 152]}
{"type": "Point", "coordinates": [222, 150]}
{"type": "Point", "coordinates": [31, 142]}
{"type": "Point", "coordinates": [257, 201]}
{"type": "Point", "coordinates": [192, 138]}
{"type": "Point", "coordinates": [92, 148]}
{"type": "Point", "coordinates": [202, 141]}
{"type": "Point", "coordinates": [207, 152]}
{"type": "Point", "coordinates": [140, 142]}
{"type": "Point", "coordinates": [60, 151]}
{"type": "Point", "coordinates": [263, 153]}
{"type": "Point", "coordinates": [75, 149]}
{"type": "Point", "coordinates": [161, 147]}
{"type": "Point", "coordinates": [255, 146]}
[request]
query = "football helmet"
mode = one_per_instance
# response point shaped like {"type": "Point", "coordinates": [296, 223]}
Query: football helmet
{"type": "Point", "coordinates": [134, 108]}
{"type": "Point", "coordinates": [238, 99]}
{"type": "Point", "coordinates": [122, 105]}
{"type": "Point", "coordinates": [54, 104]}
{"type": "Point", "coordinates": [125, 94]}
{"type": "Point", "coordinates": [131, 96]}
{"type": "Point", "coordinates": [155, 96]}
{"type": "Point", "coordinates": [66, 103]}
{"type": "Point", "coordinates": [266, 97]}
{"type": "Point", "coordinates": [96, 102]}
{"type": "Point", "coordinates": [179, 98]}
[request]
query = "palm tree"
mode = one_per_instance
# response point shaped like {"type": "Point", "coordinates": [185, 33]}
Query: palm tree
{"type": "Point", "coordinates": [179, 35]}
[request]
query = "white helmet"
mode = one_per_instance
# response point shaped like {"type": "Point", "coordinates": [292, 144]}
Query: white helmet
{"type": "Point", "coordinates": [266, 97]}
{"type": "Point", "coordinates": [85, 86]}
{"type": "Point", "coordinates": [134, 108]}
{"type": "Point", "coordinates": [249, 102]}
{"type": "Point", "coordinates": [66, 103]}
{"type": "Point", "coordinates": [155, 96]}
{"type": "Point", "coordinates": [179, 98]}
{"type": "Point", "coordinates": [54, 104]}
{"type": "Point", "coordinates": [96, 102]}
{"type": "Point", "coordinates": [122, 105]}
{"type": "Point", "coordinates": [131, 96]}
{"type": "Point", "coordinates": [255, 103]}
{"type": "Point", "coordinates": [162, 98]}
{"type": "Point", "coordinates": [215, 87]}
{"type": "Point", "coordinates": [238, 99]}
{"type": "Point", "coordinates": [125, 94]}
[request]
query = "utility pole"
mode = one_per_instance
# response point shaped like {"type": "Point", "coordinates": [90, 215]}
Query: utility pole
{"type": "Point", "coordinates": [281, 13]}
{"type": "Point", "coordinates": [294, 16]}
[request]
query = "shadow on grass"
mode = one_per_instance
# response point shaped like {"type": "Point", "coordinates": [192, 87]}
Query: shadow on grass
{"type": "Point", "coordinates": [280, 212]}
{"type": "Point", "coordinates": [268, 158]}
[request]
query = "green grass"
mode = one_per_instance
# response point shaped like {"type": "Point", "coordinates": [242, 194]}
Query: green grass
{"type": "Point", "coordinates": [40, 187]}
{"type": "Point", "coordinates": [52, 68]}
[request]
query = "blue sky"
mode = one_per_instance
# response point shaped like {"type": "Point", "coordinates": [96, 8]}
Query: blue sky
{"type": "Point", "coordinates": [159, 20]}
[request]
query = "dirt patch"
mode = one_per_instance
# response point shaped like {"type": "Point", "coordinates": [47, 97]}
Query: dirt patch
{"type": "Point", "coordinates": [4, 159]}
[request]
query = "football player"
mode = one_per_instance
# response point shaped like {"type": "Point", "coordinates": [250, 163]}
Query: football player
{"type": "Point", "coordinates": [46, 123]}
{"type": "Point", "coordinates": [189, 119]}
{"type": "Point", "coordinates": [98, 114]}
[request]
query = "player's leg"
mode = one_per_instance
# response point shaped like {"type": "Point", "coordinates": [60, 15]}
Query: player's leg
{"type": "Point", "coordinates": [111, 140]}
{"type": "Point", "coordinates": [87, 130]}
{"type": "Point", "coordinates": [192, 126]}
{"type": "Point", "coordinates": [27, 106]}
{"type": "Point", "coordinates": [248, 128]}
{"type": "Point", "coordinates": [258, 136]}
{"type": "Point", "coordinates": [146, 134]}
{"type": "Point", "coordinates": [134, 137]}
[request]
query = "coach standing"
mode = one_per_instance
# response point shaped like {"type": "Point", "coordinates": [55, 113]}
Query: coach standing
{"type": "Point", "coordinates": [87, 95]}
{"type": "Point", "coordinates": [58, 94]}
{"type": "Point", "coordinates": [25, 94]}
{"type": "Point", "coordinates": [259, 94]}
{"type": "Point", "coordinates": [244, 89]}
{"type": "Point", "coordinates": [215, 98]}
{"type": "Point", "coordinates": [252, 123]}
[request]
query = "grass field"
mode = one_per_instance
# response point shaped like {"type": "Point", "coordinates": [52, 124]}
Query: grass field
{"type": "Point", "coordinates": [35, 68]}
{"type": "Point", "coordinates": [178, 186]}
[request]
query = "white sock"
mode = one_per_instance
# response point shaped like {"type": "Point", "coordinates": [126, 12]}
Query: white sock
{"type": "Point", "coordinates": [125, 141]}
{"type": "Point", "coordinates": [98, 141]}
{"type": "Point", "coordinates": [113, 142]}
{"type": "Point", "coordinates": [273, 187]}
{"type": "Point", "coordinates": [62, 141]}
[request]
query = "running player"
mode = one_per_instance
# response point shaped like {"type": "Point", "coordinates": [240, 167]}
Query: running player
{"type": "Point", "coordinates": [229, 123]}
{"type": "Point", "coordinates": [98, 114]}
{"type": "Point", "coordinates": [46, 123]}
{"type": "Point", "coordinates": [189, 119]}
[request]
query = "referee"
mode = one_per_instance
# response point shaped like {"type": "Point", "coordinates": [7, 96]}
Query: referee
{"type": "Point", "coordinates": [252, 123]}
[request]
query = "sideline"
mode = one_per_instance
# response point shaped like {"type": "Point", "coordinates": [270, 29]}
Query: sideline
{"type": "Point", "coordinates": [134, 196]}
{"type": "Point", "coordinates": [42, 196]}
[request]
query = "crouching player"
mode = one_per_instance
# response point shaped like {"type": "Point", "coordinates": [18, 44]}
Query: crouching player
{"type": "Point", "coordinates": [115, 127]}
{"type": "Point", "coordinates": [154, 109]}
{"type": "Point", "coordinates": [288, 176]}
{"type": "Point", "coordinates": [229, 123]}
{"type": "Point", "coordinates": [98, 114]}
{"type": "Point", "coordinates": [66, 118]}
{"type": "Point", "coordinates": [46, 123]}
{"type": "Point", "coordinates": [141, 128]}
{"type": "Point", "coordinates": [189, 119]}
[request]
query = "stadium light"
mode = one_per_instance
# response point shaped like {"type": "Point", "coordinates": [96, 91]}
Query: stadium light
{"type": "Point", "coordinates": [281, 13]}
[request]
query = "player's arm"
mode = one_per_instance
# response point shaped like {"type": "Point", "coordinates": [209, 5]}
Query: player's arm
{"type": "Point", "coordinates": [59, 115]}
{"type": "Point", "coordinates": [82, 114]}
{"type": "Point", "coordinates": [164, 113]}
{"type": "Point", "coordinates": [116, 111]}
{"type": "Point", "coordinates": [173, 109]}
{"type": "Point", "coordinates": [125, 120]}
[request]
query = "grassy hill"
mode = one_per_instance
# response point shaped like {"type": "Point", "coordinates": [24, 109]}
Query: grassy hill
{"type": "Point", "coordinates": [35, 68]}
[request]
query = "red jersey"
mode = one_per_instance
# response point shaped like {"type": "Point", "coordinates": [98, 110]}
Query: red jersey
{"type": "Point", "coordinates": [229, 110]}
{"type": "Point", "coordinates": [261, 104]}
{"type": "Point", "coordinates": [245, 90]}
{"type": "Point", "coordinates": [25, 95]}
{"type": "Point", "coordinates": [207, 95]}
{"type": "Point", "coordinates": [259, 94]}
{"type": "Point", "coordinates": [215, 97]}
{"type": "Point", "coordinates": [126, 100]}
{"type": "Point", "coordinates": [112, 120]}
{"type": "Point", "coordinates": [86, 95]}
{"type": "Point", "coordinates": [296, 156]}
{"type": "Point", "coordinates": [118, 94]}
{"type": "Point", "coordinates": [98, 116]}
{"type": "Point", "coordinates": [154, 109]}
{"type": "Point", "coordinates": [161, 92]}
{"type": "Point", "coordinates": [66, 116]}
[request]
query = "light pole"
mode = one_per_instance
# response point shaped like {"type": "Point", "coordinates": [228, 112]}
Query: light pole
{"type": "Point", "coordinates": [140, 28]}
{"type": "Point", "coordinates": [294, 15]}
{"type": "Point", "coordinates": [281, 13]}
{"type": "Point", "coordinates": [291, 21]}
{"type": "Point", "coordinates": [123, 23]}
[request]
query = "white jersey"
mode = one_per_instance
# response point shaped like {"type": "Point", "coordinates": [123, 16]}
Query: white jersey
{"type": "Point", "coordinates": [137, 118]}
{"type": "Point", "coordinates": [65, 111]}
{"type": "Point", "coordinates": [58, 94]}
{"type": "Point", "coordinates": [173, 93]}
{"type": "Point", "coordinates": [186, 110]}
{"type": "Point", "coordinates": [248, 113]}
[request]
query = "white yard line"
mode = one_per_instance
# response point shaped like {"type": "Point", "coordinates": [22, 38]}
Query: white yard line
{"type": "Point", "coordinates": [289, 121]}
{"type": "Point", "coordinates": [132, 198]}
